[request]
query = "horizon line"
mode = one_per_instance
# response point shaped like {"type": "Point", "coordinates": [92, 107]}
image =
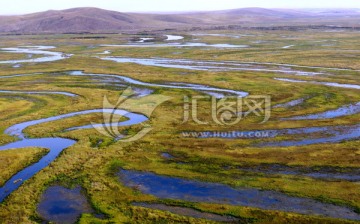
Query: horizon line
{"type": "Point", "coordinates": [189, 11]}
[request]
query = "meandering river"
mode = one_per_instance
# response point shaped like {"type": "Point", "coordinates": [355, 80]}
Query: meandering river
{"type": "Point", "coordinates": [38, 50]}
{"type": "Point", "coordinates": [55, 145]}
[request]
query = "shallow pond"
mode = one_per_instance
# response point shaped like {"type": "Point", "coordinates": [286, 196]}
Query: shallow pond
{"type": "Point", "coordinates": [62, 205]}
{"type": "Point", "coordinates": [167, 155]}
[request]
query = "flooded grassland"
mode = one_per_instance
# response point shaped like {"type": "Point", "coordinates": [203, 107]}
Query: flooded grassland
{"type": "Point", "coordinates": [305, 170]}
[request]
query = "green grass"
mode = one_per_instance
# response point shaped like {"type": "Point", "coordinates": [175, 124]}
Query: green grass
{"type": "Point", "coordinates": [13, 161]}
{"type": "Point", "coordinates": [95, 159]}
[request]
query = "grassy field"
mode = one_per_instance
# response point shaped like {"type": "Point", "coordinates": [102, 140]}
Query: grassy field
{"type": "Point", "coordinates": [15, 160]}
{"type": "Point", "coordinates": [94, 166]}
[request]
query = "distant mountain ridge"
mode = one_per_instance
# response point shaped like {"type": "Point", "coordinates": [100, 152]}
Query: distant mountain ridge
{"type": "Point", "coordinates": [94, 20]}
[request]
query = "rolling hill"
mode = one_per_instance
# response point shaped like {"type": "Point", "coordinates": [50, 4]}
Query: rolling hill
{"type": "Point", "coordinates": [94, 20]}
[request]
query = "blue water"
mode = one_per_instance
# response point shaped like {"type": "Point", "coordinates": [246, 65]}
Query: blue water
{"type": "Point", "coordinates": [17, 75]}
{"type": "Point", "coordinates": [330, 134]}
{"type": "Point", "coordinates": [326, 173]}
{"type": "Point", "coordinates": [188, 44]}
{"type": "Point", "coordinates": [167, 155]}
{"type": "Point", "coordinates": [291, 103]}
{"type": "Point", "coordinates": [322, 135]}
{"type": "Point", "coordinates": [332, 84]}
{"type": "Point", "coordinates": [55, 145]}
{"type": "Point", "coordinates": [39, 50]}
{"type": "Point", "coordinates": [38, 92]}
{"type": "Point", "coordinates": [207, 65]}
{"type": "Point", "coordinates": [166, 187]}
{"type": "Point", "coordinates": [189, 212]}
{"type": "Point", "coordinates": [184, 189]}
{"type": "Point", "coordinates": [340, 112]}
{"type": "Point", "coordinates": [196, 87]}
{"type": "Point", "coordinates": [62, 205]}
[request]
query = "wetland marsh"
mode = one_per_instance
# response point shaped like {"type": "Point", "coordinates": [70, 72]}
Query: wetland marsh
{"type": "Point", "coordinates": [305, 170]}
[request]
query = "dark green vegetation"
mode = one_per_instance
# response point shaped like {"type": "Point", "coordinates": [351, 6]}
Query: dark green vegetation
{"type": "Point", "coordinates": [93, 162]}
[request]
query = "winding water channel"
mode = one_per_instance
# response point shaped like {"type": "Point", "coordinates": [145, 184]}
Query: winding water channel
{"type": "Point", "coordinates": [187, 44]}
{"type": "Point", "coordinates": [211, 65]}
{"type": "Point", "coordinates": [182, 189]}
{"type": "Point", "coordinates": [38, 92]}
{"type": "Point", "coordinates": [196, 87]}
{"type": "Point", "coordinates": [37, 50]}
{"type": "Point", "coordinates": [340, 112]}
{"type": "Point", "coordinates": [331, 84]}
{"type": "Point", "coordinates": [55, 145]}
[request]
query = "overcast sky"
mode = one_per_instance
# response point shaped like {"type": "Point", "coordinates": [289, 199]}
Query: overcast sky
{"type": "Point", "coordinates": [28, 6]}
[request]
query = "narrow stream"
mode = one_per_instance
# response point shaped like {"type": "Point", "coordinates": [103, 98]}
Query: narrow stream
{"type": "Point", "coordinates": [332, 84]}
{"type": "Point", "coordinates": [17, 75]}
{"type": "Point", "coordinates": [189, 212]}
{"type": "Point", "coordinates": [209, 65]}
{"type": "Point", "coordinates": [340, 112]}
{"type": "Point", "coordinates": [328, 134]}
{"type": "Point", "coordinates": [232, 65]}
{"type": "Point", "coordinates": [303, 136]}
{"type": "Point", "coordinates": [196, 87]}
{"type": "Point", "coordinates": [56, 145]}
{"type": "Point", "coordinates": [326, 173]}
{"type": "Point", "coordinates": [186, 44]}
{"type": "Point", "coordinates": [38, 92]}
{"type": "Point", "coordinates": [188, 190]}
{"type": "Point", "coordinates": [38, 50]}
{"type": "Point", "coordinates": [291, 103]}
